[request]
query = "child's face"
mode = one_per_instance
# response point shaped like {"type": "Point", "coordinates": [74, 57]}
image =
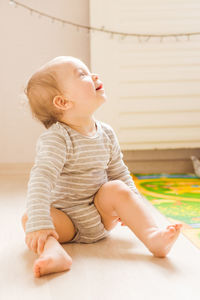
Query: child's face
{"type": "Point", "coordinates": [79, 85]}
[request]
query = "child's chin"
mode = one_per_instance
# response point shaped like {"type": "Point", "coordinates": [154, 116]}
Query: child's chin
{"type": "Point", "coordinates": [104, 96]}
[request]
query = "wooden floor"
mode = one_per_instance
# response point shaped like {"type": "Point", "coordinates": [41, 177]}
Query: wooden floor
{"type": "Point", "coordinates": [119, 267]}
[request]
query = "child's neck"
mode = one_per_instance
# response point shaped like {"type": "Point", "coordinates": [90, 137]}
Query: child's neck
{"type": "Point", "coordinates": [83, 126]}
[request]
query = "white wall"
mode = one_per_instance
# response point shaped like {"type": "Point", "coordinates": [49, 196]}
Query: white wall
{"type": "Point", "coordinates": [26, 43]}
{"type": "Point", "coordinates": [153, 87]}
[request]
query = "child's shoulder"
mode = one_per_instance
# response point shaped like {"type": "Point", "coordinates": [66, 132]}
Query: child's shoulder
{"type": "Point", "coordinates": [108, 130]}
{"type": "Point", "coordinates": [55, 131]}
{"type": "Point", "coordinates": [106, 127]}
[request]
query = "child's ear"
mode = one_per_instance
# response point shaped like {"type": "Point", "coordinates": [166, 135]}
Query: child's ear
{"type": "Point", "coordinates": [61, 102]}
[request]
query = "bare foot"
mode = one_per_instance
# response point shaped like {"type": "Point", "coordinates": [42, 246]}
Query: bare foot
{"type": "Point", "coordinates": [161, 241]}
{"type": "Point", "coordinates": [53, 259]}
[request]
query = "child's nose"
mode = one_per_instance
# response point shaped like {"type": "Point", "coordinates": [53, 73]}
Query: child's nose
{"type": "Point", "coordinates": [95, 77]}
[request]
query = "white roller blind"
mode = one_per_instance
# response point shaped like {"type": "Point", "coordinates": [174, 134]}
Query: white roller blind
{"type": "Point", "coordinates": [153, 87]}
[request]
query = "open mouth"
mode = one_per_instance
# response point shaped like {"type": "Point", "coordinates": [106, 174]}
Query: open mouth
{"type": "Point", "coordinates": [99, 87]}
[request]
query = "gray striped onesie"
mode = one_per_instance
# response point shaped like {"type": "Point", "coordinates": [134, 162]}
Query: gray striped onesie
{"type": "Point", "coordinates": [68, 171]}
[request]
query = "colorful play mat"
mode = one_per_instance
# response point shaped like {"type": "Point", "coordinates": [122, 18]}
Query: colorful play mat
{"type": "Point", "coordinates": [176, 196]}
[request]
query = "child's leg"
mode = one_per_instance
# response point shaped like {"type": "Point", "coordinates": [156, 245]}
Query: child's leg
{"type": "Point", "coordinates": [115, 198]}
{"type": "Point", "coordinates": [54, 258]}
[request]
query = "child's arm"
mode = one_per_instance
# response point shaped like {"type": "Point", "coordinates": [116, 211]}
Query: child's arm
{"type": "Point", "coordinates": [117, 170]}
{"type": "Point", "coordinates": [49, 162]}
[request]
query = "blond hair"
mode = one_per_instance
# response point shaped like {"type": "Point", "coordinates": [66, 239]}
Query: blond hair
{"type": "Point", "coordinates": [40, 91]}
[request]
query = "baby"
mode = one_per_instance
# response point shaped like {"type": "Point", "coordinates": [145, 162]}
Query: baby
{"type": "Point", "coordinates": [79, 186]}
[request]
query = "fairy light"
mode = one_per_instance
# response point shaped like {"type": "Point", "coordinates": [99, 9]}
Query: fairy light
{"type": "Point", "coordinates": [112, 34]}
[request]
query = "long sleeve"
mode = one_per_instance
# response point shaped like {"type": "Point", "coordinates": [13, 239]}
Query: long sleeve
{"type": "Point", "coordinates": [50, 158]}
{"type": "Point", "coordinates": [117, 170]}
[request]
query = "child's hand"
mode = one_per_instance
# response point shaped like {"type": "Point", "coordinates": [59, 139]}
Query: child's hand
{"type": "Point", "coordinates": [36, 240]}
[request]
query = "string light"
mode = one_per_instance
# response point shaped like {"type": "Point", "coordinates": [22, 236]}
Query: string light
{"type": "Point", "coordinates": [90, 29]}
{"type": "Point", "coordinates": [13, 3]}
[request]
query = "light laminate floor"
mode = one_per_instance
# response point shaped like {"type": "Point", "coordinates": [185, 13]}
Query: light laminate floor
{"type": "Point", "coordinates": [119, 267]}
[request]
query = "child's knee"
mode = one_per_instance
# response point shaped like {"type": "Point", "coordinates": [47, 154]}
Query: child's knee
{"type": "Point", "coordinates": [119, 187]}
{"type": "Point", "coordinates": [109, 193]}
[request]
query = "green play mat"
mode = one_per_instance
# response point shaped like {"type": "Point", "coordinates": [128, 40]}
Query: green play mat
{"type": "Point", "coordinates": [176, 196]}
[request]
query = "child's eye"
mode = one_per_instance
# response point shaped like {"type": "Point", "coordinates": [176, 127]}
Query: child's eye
{"type": "Point", "coordinates": [84, 74]}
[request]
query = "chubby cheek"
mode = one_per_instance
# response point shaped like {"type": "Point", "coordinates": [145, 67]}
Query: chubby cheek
{"type": "Point", "coordinates": [87, 90]}
{"type": "Point", "coordinates": [82, 91]}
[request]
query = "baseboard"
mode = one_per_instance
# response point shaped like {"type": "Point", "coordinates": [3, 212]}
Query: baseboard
{"type": "Point", "coordinates": [138, 161]}
{"type": "Point", "coordinates": [160, 161]}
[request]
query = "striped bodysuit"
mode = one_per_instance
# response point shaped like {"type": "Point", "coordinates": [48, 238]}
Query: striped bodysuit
{"type": "Point", "coordinates": [68, 171]}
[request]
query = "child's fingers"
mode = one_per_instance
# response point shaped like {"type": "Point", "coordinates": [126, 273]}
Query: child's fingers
{"type": "Point", "coordinates": [55, 235]}
{"type": "Point", "coordinates": [36, 240]}
{"type": "Point", "coordinates": [41, 243]}
{"type": "Point", "coordinates": [34, 244]}
{"type": "Point", "coordinates": [28, 241]}
{"type": "Point", "coordinates": [42, 240]}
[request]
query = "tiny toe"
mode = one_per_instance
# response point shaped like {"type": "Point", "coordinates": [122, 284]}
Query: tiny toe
{"type": "Point", "coordinates": [36, 271]}
{"type": "Point", "coordinates": [178, 226]}
{"type": "Point", "coordinates": [37, 275]}
{"type": "Point", "coordinates": [174, 227]}
{"type": "Point", "coordinates": [171, 228]}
